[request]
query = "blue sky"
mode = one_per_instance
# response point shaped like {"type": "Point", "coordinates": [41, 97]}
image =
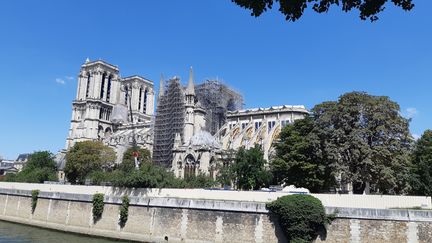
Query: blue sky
{"type": "Point", "coordinates": [270, 61]}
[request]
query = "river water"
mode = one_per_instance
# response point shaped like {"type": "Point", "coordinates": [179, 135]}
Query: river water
{"type": "Point", "coordinates": [18, 233]}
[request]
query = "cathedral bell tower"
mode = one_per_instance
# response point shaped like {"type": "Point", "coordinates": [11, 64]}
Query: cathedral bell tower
{"type": "Point", "coordinates": [92, 108]}
{"type": "Point", "coordinates": [190, 107]}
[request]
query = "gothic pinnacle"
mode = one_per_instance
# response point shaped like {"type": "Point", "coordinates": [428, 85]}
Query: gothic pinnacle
{"type": "Point", "coordinates": [190, 87]}
{"type": "Point", "coordinates": [161, 86]}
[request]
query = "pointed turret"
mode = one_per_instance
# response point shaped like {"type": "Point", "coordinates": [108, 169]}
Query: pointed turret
{"type": "Point", "coordinates": [87, 60]}
{"type": "Point", "coordinates": [161, 86]}
{"type": "Point", "coordinates": [190, 89]}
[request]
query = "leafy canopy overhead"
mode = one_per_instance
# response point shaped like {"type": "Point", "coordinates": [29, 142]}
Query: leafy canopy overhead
{"type": "Point", "coordinates": [294, 9]}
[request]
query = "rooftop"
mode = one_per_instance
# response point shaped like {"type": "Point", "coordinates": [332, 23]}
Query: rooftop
{"type": "Point", "coordinates": [137, 77]}
{"type": "Point", "coordinates": [282, 108]}
{"type": "Point", "coordinates": [101, 62]}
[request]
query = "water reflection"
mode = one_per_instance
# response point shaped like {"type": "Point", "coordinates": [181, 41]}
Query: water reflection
{"type": "Point", "coordinates": [11, 233]}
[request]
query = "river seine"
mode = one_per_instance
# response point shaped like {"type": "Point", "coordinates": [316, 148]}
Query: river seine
{"type": "Point", "coordinates": [10, 232]}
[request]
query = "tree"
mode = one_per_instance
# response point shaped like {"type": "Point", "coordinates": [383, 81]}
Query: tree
{"type": "Point", "coordinates": [299, 160]}
{"type": "Point", "coordinates": [361, 139]}
{"type": "Point", "coordinates": [40, 167]}
{"type": "Point", "coordinates": [86, 157]}
{"type": "Point", "coordinates": [128, 162]}
{"type": "Point", "coordinates": [247, 170]}
{"type": "Point", "coordinates": [369, 141]}
{"type": "Point", "coordinates": [147, 176]}
{"type": "Point", "coordinates": [294, 9]}
{"type": "Point", "coordinates": [421, 180]}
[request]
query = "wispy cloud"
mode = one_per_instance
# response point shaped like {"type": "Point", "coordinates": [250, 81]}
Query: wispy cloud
{"type": "Point", "coordinates": [63, 80]}
{"type": "Point", "coordinates": [416, 136]}
{"type": "Point", "coordinates": [411, 112]}
{"type": "Point", "coordinates": [60, 81]}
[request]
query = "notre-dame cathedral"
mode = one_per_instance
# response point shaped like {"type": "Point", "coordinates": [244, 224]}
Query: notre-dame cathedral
{"type": "Point", "coordinates": [192, 127]}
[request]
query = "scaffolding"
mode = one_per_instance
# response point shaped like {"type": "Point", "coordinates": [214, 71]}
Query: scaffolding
{"type": "Point", "coordinates": [170, 119]}
{"type": "Point", "coordinates": [217, 98]}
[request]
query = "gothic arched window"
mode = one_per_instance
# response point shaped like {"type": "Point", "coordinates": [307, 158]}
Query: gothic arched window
{"type": "Point", "coordinates": [126, 95]}
{"type": "Point", "coordinates": [212, 168]}
{"type": "Point", "coordinates": [139, 100]}
{"type": "Point", "coordinates": [102, 86]}
{"type": "Point", "coordinates": [88, 85]}
{"type": "Point", "coordinates": [190, 167]}
{"type": "Point", "coordinates": [145, 101]}
{"type": "Point", "coordinates": [108, 132]}
{"type": "Point", "coordinates": [108, 89]}
{"type": "Point", "coordinates": [100, 132]}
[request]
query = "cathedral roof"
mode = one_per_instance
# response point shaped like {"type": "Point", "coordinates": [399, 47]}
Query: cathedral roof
{"type": "Point", "coordinates": [89, 63]}
{"type": "Point", "coordinates": [204, 139]}
{"type": "Point", "coordinates": [23, 157]}
{"type": "Point", "coordinates": [60, 160]}
{"type": "Point", "coordinates": [273, 109]}
{"type": "Point", "coordinates": [137, 78]}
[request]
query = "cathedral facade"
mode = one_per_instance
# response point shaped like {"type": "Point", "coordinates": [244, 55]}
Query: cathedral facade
{"type": "Point", "coordinates": [112, 109]}
{"type": "Point", "coordinates": [193, 127]}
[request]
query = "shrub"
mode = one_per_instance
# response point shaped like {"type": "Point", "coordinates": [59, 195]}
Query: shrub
{"type": "Point", "coordinates": [99, 177]}
{"type": "Point", "coordinates": [39, 168]}
{"type": "Point", "coordinates": [302, 217]}
{"type": "Point", "coordinates": [199, 181]}
{"type": "Point", "coordinates": [98, 206]}
{"type": "Point", "coordinates": [34, 195]}
{"type": "Point", "coordinates": [124, 209]}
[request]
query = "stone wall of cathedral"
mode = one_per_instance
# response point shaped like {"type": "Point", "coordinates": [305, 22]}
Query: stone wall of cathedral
{"type": "Point", "coordinates": [100, 91]}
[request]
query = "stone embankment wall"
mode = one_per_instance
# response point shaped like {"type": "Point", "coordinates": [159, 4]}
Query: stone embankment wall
{"type": "Point", "coordinates": [174, 219]}
{"type": "Point", "coordinates": [329, 200]}
{"type": "Point", "coordinates": [150, 219]}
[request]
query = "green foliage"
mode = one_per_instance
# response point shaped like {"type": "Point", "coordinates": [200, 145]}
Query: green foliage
{"type": "Point", "coordinates": [225, 175]}
{"type": "Point", "coordinates": [361, 139]}
{"type": "Point", "coordinates": [294, 9]}
{"type": "Point", "coordinates": [302, 217]}
{"type": "Point", "coordinates": [147, 175]}
{"type": "Point", "coordinates": [369, 141]}
{"type": "Point", "coordinates": [10, 177]}
{"type": "Point", "coordinates": [124, 209]}
{"type": "Point", "coordinates": [128, 162]}
{"type": "Point", "coordinates": [40, 167]}
{"type": "Point", "coordinates": [298, 159]}
{"type": "Point", "coordinates": [99, 177]}
{"type": "Point", "coordinates": [199, 181]}
{"type": "Point", "coordinates": [34, 199]}
{"type": "Point", "coordinates": [247, 171]}
{"type": "Point", "coordinates": [86, 157]}
{"type": "Point", "coordinates": [421, 179]}
{"type": "Point", "coordinates": [98, 206]}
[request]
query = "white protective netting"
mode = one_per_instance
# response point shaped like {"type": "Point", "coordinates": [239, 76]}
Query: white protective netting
{"type": "Point", "coordinates": [204, 139]}
{"type": "Point", "coordinates": [120, 114]}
